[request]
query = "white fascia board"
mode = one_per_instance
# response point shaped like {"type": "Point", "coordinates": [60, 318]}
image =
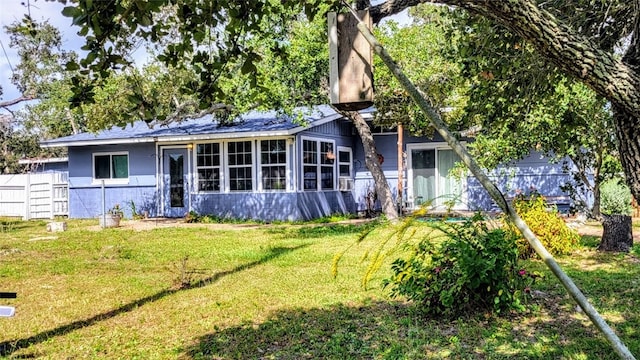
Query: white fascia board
{"type": "Point", "coordinates": [97, 142]}
{"type": "Point", "coordinates": [43, 161]}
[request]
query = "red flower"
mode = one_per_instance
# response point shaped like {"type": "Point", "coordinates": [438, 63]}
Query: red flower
{"type": "Point", "coordinates": [522, 272]}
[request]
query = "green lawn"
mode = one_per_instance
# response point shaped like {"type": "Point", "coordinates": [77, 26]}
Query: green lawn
{"type": "Point", "coordinates": [267, 292]}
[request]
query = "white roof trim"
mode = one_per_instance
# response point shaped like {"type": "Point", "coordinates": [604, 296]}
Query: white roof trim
{"type": "Point", "coordinates": [43, 160]}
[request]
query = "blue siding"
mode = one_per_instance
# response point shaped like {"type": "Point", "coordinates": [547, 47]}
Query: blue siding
{"type": "Point", "coordinates": [533, 172]}
{"type": "Point", "coordinates": [272, 206]}
{"type": "Point", "coordinates": [86, 202]}
{"type": "Point", "coordinates": [85, 197]}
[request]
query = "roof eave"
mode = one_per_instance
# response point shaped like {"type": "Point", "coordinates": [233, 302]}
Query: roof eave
{"type": "Point", "coordinates": [188, 137]}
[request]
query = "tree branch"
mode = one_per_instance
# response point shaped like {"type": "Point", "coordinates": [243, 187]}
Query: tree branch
{"type": "Point", "coordinates": [5, 104]}
{"type": "Point", "coordinates": [610, 77]}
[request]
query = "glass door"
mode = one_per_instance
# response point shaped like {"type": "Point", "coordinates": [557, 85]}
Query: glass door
{"type": "Point", "coordinates": [175, 182]}
{"type": "Point", "coordinates": [431, 179]}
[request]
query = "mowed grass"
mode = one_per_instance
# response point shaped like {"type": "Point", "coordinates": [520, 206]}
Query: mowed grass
{"type": "Point", "coordinates": [266, 292]}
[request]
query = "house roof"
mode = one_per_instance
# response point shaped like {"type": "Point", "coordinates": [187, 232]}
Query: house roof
{"type": "Point", "coordinates": [252, 124]}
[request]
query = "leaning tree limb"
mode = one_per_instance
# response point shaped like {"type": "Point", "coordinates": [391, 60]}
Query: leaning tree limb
{"type": "Point", "coordinates": [435, 119]}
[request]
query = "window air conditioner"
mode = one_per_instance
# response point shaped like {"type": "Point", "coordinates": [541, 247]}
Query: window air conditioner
{"type": "Point", "coordinates": [345, 184]}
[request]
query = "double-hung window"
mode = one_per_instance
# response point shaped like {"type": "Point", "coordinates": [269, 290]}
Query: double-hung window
{"type": "Point", "coordinates": [273, 164]}
{"type": "Point", "coordinates": [318, 164]}
{"type": "Point", "coordinates": [208, 166]}
{"type": "Point", "coordinates": [240, 163]}
{"type": "Point", "coordinates": [112, 167]}
{"type": "Point", "coordinates": [344, 162]}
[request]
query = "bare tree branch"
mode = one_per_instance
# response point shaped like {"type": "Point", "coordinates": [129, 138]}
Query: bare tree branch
{"type": "Point", "coordinates": [6, 104]}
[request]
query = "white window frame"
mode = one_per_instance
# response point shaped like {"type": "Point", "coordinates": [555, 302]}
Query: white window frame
{"type": "Point", "coordinates": [431, 146]}
{"type": "Point", "coordinates": [220, 167]}
{"type": "Point", "coordinates": [227, 167]}
{"type": "Point", "coordinates": [286, 164]}
{"type": "Point", "coordinates": [340, 163]}
{"type": "Point", "coordinates": [110, 180]}
{"type": "Point", "coordinates": [318, 163]}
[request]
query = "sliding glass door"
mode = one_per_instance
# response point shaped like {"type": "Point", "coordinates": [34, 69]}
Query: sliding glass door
{"type": "Point", "coordinates": [431, 179]}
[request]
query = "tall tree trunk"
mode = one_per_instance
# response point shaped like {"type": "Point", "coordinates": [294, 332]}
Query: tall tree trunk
{"type": "Point", "coordinates": [616, 79]}
{"type": "Point", "coordinates": [373, 165]}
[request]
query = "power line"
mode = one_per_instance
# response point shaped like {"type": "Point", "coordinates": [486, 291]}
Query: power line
{"type": "Point", "coordinates": [6, 55]}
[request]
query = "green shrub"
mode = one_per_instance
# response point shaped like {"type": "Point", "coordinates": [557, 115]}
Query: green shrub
{"type": "Point", "coordinates": [615, 198]}
{"type": "Point", "coordinates": [472, 269]}
{"type": "Point", "coordinates": [545, 222]}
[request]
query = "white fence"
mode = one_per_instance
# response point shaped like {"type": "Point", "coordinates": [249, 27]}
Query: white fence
{"type": "Point", "coordinates": [34, 196]}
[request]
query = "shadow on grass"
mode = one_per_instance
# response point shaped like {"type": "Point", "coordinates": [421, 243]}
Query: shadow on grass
{"type": "Point", "coordinates": [554, 329]}
{"type": "Point", "coordinates": [320, 230]}
{"type": "Point", "coordinates": [389, 330]}
{"type": "Point", "coordinates": [11, 346]}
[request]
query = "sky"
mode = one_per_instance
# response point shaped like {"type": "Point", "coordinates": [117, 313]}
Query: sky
{"type": "Point", "coordinates": [12, 11]}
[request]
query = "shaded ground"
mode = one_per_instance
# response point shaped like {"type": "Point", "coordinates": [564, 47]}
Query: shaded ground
{"type": "Point", "coordinates": [149, 224]}
{"type": "Point", "coordinates": [595, 229]}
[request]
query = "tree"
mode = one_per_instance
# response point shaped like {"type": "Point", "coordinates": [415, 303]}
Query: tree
{"type": "Point", "coordinates": [576, 43]}
{"type": "Point", "coordinates": [580, 45]}
{"type": "Point", "coordinates": [262, 61]}
{"type": "Point", "coordinates": [518, 101]}
{"type": "Point", "coordinates": [39, 71]}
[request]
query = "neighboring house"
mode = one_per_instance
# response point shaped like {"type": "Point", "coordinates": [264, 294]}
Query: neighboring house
{"type": "Point", "coordinates": [263, 166]}
{"type": "Point", "coordinates": [45, 165]}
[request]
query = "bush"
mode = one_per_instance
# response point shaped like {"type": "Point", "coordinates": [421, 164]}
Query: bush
{"type": "Point", "coordinates": [545, 222]}
{"type": "Point", "coordinates": [473, 268]}
{"type": "Point", "coordinates": [615, 198]}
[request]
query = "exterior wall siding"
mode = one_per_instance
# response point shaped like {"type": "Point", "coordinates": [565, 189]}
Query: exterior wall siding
{"type": "Point", "coordinates": [533, 172]}
{"type": "Point", "coordinates": [85, 195]}
{"type": "Point", "coordinates": [284, 206]}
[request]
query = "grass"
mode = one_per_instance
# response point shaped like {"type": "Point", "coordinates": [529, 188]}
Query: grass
{"type": "Point", "coordinates": [266, 292]}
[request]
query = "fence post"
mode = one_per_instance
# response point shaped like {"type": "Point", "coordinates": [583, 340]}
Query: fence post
{"type": "Point", "coordinates": [27, 198]}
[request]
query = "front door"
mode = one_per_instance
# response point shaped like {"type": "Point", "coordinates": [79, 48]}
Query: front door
{"type": "Point", "coordinates": [175, 182]}
{"type": "Point", "coordinates": [431, 178]}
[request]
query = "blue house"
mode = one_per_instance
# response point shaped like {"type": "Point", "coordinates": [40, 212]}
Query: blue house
{"type": "Point", "coordinates": [266, 166]}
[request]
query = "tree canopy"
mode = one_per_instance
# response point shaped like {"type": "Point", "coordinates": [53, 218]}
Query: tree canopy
{"type": "Point", "coordinates": [211, 38]}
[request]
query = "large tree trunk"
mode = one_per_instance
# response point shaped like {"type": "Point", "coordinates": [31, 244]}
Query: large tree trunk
{"type": "Point", "coordinates": [373, 165]}
{"type": "Point", "coordinates": [616, 235]}
{"type": "Point", "coordinates": [616, 79]}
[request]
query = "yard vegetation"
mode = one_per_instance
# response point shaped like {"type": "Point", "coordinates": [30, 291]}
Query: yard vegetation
{"type": "Point", "coordinates": [204, 291]}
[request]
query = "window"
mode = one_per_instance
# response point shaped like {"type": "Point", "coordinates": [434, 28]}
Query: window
{"type": "Point", "coordinates": [208, 166]}
{"type": "Point", "coordinates": [111, 166]}
{"type": "Point", "coordinates": [273, 161]}
{"type": "Point", "coordinates": [240, 162]}
{"type": "Point", "coordinates": [318, 164]}
{"type": "Point", "coordinates": [344, 162]}
{"type": "Point", "coordinates": [327, 159]}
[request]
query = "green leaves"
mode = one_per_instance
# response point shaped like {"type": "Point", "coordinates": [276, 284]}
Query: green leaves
{"type": "Point", "coordinates": [472, 269]}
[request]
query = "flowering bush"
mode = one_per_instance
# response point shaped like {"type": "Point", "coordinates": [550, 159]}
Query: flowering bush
{"type": "Point", "coordinates": [545, 222]}
{"type": "Point", "coordinates": [473, 268]}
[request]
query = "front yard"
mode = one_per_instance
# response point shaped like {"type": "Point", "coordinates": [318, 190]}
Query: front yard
{"type": "Point", "coordinates": [267, 292]}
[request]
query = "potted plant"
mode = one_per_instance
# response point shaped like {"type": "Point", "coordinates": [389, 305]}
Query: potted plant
{"type": "Point", "coordinates": [112, 217]}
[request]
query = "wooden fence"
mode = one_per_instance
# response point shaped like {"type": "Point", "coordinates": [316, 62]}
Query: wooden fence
{"type": "Point", "coordinates": [34, 196]}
